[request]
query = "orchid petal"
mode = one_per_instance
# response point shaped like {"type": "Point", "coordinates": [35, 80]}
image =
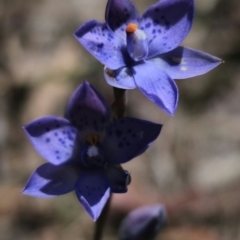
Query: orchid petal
{"type": "Point", "coordinates": [157, 86]}
{"type": "Point", "coordinates": [120, 78]}
{"type": "Point", "coordinates": [183, 62]}
{"type": "Point", "coordinates": [100, 41]}
{"type": "Point", "coordinates": [166, 24]}
{"type": "Point", "coordinates": [53, 138]}
{"type": "Point", "coordinates": [127, 138]}
{"type": "Point", "coordinates": [50, 180]}
{"type": "Point", "coordinates": [118, 14]}
{"type": "Point", "coordinates": [93, 191]}
{"type": "Point", "coordinates": [87, 110]}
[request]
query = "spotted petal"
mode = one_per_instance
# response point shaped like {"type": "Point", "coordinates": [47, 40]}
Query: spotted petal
{"type": "Point", "coordinates": [53, 138]}
{"type": "Point", "coordinates": [100, 41]}
{"type": "Point", "coordinates": [87, 110]}
{"type": "Point", "coordinates": [182, 62]}
{"type": "Point", "coordinates": [50, 180]}
{"type": "Point", "coordinates": [127, 138]}
{"type": "Point", "coordinates": [157, 86]}
{"type": "Point", "coordinates": [120, 78]}
{"type": "Point", "coordinates": [166, 24]}
{"type": "Point", "coordinates": [118, 14]}
{"type": "Point", "coordinates": [93, 191]}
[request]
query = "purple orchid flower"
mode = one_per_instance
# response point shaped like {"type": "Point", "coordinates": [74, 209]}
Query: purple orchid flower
{"type": "Point", "coordinates": [84, 150]}
{"type": "Point", "coordinates": [144, 51]}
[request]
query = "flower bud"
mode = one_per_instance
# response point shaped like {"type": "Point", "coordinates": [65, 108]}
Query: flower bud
{"type": "Point", "coordinates": [143, 223]}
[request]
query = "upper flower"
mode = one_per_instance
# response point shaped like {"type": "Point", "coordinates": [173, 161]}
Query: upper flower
{"type": "Point", "coordinates": [84, 150]}
{"type": "Point", "coordinates": [143, 51]}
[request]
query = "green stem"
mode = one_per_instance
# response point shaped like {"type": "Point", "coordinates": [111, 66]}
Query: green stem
{"type": "Point", "coordinates": [119, 105]}
{"type": "Point", "coordinates": [101, 221]}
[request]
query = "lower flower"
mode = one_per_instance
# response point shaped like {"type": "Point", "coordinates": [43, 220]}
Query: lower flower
{"type": "Point", "coordinates": [85, 150]}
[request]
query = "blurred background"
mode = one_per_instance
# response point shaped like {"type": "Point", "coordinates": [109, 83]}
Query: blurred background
{"type": "Point", "coordinates": [194, 166]}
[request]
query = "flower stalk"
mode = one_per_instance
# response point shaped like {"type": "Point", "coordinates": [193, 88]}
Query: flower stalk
{"type": "Point", "coordinates": [119, 105]}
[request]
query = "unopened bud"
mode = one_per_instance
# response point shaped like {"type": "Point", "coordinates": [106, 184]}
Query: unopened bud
{"type": "Point", "coordinates": [143, 223]}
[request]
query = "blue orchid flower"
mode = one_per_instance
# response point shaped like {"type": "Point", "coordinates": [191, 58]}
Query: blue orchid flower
{"type": "Point", "coordinates": [144, 52]}
{"type": "Point", "coordinates": [84, 150]}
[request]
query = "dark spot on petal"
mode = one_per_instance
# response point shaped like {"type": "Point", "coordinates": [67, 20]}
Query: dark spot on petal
{"type": "Point", "coordinates": [118, 132]}
{"type": "Point", "coordinates": [156, 21]}
{"type": "Point", "coordinates": [70, 137]}
{"type": "Point", "coordinates": [120, 145]}
{"type": "Point", "coordinates": [48, 140]}
{"type": "Point", "coordinates": [110, 36]}
{"type": "Point", "coordinates": [100, 45]}
{"type": "Point", "coordinates": [147, 25]}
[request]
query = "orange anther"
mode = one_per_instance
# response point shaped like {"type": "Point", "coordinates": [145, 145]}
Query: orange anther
{"type": "Point", "coordinates": [131, 27]}
{"type": "Point", "coordinates": [92, 139]}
